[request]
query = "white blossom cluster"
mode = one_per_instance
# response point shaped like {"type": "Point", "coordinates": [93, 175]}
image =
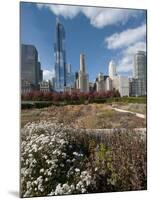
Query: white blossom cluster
{"type": "Point", "coordinates": [51, 162]}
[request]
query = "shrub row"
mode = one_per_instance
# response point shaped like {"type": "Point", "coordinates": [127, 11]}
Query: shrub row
{"type": "Point", "coordinates": [75, 96]}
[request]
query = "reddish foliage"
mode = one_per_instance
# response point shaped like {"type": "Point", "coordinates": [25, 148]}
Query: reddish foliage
{"type": "Point", "coordinates": [74, 96]}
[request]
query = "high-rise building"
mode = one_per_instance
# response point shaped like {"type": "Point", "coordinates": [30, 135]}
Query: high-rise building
{"type": "Point", "coordinates": [140, 69]}
{"type": "Point", "coordinates": [29, 60]}
{"type": "Point", "coordinates": [140, 74]}
{"type": "Point", "coordinates": [60, 58]}
{"type": "Point", "coordinates": [31, 72]}
{"type": "Point", "coordinates": [112, 69]}
{"type": "Point", "coordinates": [70, 77]}
{"type": "Point", "coordinates": [83, 75]}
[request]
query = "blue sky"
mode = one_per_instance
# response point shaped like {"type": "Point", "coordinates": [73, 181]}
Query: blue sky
{"type": "Point", "coordinates": [101, 33]}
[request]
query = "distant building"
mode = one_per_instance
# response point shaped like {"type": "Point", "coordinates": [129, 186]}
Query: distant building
{"type": "Point", "coordinates": [39, 72]}
{"type": "Point", "coordinates": [31, 72]}
{"type": "Point", "coordinates": [45, 86]}
{"type": "Point", "coordinates": [53, 83]}
{"type": "Point", "coordinates": [70, 77]}
{"type": "Point", "coordinates": [60, 58]}
{"type": "Point", "coordinates": [139, 82]}
{"type": "Point", "coordinates": [83, 75]}
{"type": "Point", "coordinates": [26, 87]}
{"type": "Point", "coordinates": [76, 80]}
{"type": "Point", "coordinates": [140, 69]}
{"type": "Point", "coordinates": [117, 82]}
{"type": "Point", "coordinates": [121, 83]}
{"type": "Point", "coordinates": [101, 83]}
{"type": "Point", "coordinates": [112, 69]}
{"type": "Point", "coordinates": [108, 83]}
{"type": "Point", "coordinates": [91, 87]}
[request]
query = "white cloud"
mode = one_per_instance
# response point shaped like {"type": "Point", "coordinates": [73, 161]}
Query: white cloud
{"type": "Point", "coordinates": [48, 74]}
{"type": "Point", "coordinates": [108, 16]}
{"type": "Point", "coordinates": [126, 38]}
{"type": "Point", "coordinates": [128, 42]}
{"type": "Point", "coordinates": [99, 17]}
{"type": "Point", "coordinates": [63, 10]}
{"type": "Point", "coordinates": [126, 63]}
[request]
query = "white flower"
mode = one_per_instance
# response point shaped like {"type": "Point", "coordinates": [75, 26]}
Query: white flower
{"type": "Point", "coordinates": [41, 170]}
{"type": "Point", "coordinates": [77, 170]}
{"type": "Point", "coordinates": [75, 153]}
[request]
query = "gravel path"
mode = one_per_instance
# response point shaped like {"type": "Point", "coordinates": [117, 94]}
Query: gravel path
{"type": "Point", "coordinates": [126, 111]}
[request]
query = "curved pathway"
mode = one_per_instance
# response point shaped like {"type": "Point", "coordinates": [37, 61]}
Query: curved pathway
{"type": "Point", "coordinates": [127, 111]}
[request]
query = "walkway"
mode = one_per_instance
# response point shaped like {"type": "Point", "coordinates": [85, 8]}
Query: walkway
{"type": "Point", "coordinates": [127, 111]}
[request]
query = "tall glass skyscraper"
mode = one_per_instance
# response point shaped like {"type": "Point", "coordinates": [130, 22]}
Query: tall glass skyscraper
{"type": "Point", "coordinates": [60, 58]}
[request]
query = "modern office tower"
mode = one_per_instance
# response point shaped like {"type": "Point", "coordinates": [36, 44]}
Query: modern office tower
{"type": "Point", "coordinates": [140, 74]}
{"type": "Point", "coordinates": [83, 75]}
{"type": "Point", "coordinates": [31, 73]}
{"type": "Point", "coordinates": [101, 83]}
{"type": "Point", "coordinates": [29, 63]}
{"type": "Point", "coordinates": [140, 65]}
{"type": "Point", "coordinates": [60, 58]}
{"type": "Point", "coordinates": [121, 83]}
{"type": "Point", "coordinates": [112, 69]}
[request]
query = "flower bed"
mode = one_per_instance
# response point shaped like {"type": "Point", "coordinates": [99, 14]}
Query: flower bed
{"type": "Point", "coordinates": [58, 160]}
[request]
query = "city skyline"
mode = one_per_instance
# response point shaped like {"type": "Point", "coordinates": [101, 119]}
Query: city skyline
{"type": "Point", "coordinates": [117, 40]}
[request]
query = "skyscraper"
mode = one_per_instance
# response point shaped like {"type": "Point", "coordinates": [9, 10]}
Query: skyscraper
{"type": "Point", "coordinates": [83, 75]}
{"type": "Point", "coordinates": [29, 63]}
{"type": "Point", "coordinates": [30, 66]}
{"type": "Point", "coordinates": [139, 82]}
{"type": "Point", "coordinates": [140, 65]}
{"type": "Point", "coordinates": [112, 69]}
{"type": "Point", "coordinates": [60, 58]}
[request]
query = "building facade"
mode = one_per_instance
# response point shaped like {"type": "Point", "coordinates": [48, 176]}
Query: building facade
{"type": "Point", "coordinates": [31, 73]}
{"type": "Point", "coordinates": [60, 58]}
{"type": "Point", "coordinates": [45, 86]}
{"type": "Point", "coordinates": [101, 83]}
{"type": "Point", "coordinates": [139, 82]}
{"type": "Point", "coordinates": [121, 83]}
{"type": "Point", "coordinates": [83, 78]}
{"type": "Point", "coordinates": [112, 69]}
